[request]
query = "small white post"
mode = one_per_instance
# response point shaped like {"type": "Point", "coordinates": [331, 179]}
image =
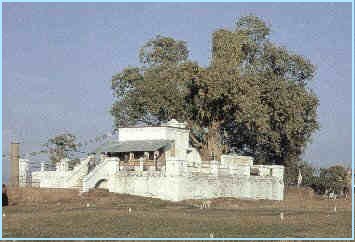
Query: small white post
{"type": "Point", "coordinates": [42, 166]}
{"type": "Point", "coordinates": [282, 216]}
{"type": "Point", "coordinates": [299, 179]}
{"type": "Point", "coordinates": [141, 160]}
{"type": "Point", "coordinates": [118, 165]}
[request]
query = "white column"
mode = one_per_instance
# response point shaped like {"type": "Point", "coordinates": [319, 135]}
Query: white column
{"type": "Point", "coordinates": [141, 160]}
{"type": "Point", "coordinates": [214, 164]}
{"type": "Point", "coordinates": [23, 172]}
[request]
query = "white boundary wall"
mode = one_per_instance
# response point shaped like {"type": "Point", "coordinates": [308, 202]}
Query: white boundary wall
{"type": "Point", "coordinates": [62, 177]}
{"type": "Point", "coordinates": [177, 188]}
{"type": "Point", "coordinates": [178, 182]}
{"type": "Point", "coordinates": [184, 176]}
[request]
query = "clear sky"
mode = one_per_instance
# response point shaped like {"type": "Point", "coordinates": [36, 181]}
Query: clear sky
{"type": "Point", "coordinates": [58, 59]}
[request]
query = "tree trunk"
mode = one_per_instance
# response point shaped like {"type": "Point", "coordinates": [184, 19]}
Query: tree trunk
{"type": "Point", "coordinates": [212, 147]}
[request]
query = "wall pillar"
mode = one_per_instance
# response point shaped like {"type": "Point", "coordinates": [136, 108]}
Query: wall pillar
{"type": "Point", "coordinates": [141, 160]}
{"type": "Point", "coordinates": [24, 172]}
{"type": "Point", "coordinates": [214, 165]}
{"type": "Point", "coordinates": [14, 158]}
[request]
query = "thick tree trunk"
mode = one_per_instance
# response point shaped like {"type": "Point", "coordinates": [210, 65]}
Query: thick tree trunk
{"type": "Point", "coordinates": [212, 147]}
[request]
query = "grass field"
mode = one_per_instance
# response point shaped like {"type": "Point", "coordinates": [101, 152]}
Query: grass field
{"type": "Point", "coordinates": [63, 213]}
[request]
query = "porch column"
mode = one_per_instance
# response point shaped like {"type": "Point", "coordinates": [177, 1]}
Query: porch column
{"type": "Point", "coordinates": [131, 156]}
{"type": "Point", "coordinates": [156, 155]}
{"type": "Point", "coordinates": [141, 160]}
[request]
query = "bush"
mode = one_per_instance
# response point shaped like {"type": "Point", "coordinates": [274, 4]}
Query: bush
{"type": "Point", "coordinates": [334, 179]}
{"type": "Point", "coordinates": [329, 179]}
{"type": "Point", "coordinates": [307, 172]}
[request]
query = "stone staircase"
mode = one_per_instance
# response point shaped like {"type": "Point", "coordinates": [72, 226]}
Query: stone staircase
{"type": "Point", "coordinates": [104, 170]}
{"type": "Point", "coordinates": [79, 171]}
{"type": "Point", "coordinates": [79, 184]}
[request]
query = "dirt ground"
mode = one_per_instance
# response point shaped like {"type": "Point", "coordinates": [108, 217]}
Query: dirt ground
{"type": "Point", "coordinates": [61, 213]}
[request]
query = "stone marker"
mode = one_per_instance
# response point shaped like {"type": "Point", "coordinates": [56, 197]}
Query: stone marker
{"type": "Point", "coordinates": [282, 216]}
{"type": "Point", "coordinates": [211, 235]}
{"type": "Point", "coordinates": [129, 210]}
{"type": "Point", "coordinates": [206, 204]}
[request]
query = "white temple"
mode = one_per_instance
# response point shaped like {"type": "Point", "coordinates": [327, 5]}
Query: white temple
{"type": "Point", "coordinates": [159, 162]}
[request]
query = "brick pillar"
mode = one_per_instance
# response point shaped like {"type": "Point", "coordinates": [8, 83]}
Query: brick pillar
{"type": "Point", "coordinates": [14, 158]}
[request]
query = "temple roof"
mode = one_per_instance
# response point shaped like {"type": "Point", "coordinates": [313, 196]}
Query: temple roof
{"type": "Point", "coordinates": [134, 145]}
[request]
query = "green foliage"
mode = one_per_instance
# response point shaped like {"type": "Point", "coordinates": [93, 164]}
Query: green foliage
{"type": "Point", "coordinates": [252, 98]}
{"type": "Point", "coordinates": [307, 172]}
{"type": "Point", "coordinates": [163, 50]}
{"type": "Point", "coordinates": [334, 178]}
{"type": "Point", "coordinates": [61, 146]}
{"type": "Point", "coordinates": [252, 27]}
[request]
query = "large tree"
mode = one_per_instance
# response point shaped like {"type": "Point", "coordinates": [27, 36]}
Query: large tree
{"type": "Point", "coordinates": [334, 178]}
{"type": "Point", "coordinates": [61, 146]}
{"type": "Point", "coordinates": [252, 98]}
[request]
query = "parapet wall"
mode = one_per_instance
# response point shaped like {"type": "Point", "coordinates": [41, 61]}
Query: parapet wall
{"type": "Point", "coordinates": [62, 177]}
{"type": "Point", "coordinates": [177, 188]}
{"type": "Point", "coordinates": [178, 180]}
{"type": "Point", "coordinates": [163, 187]}
{"type": "Point", "coordinates": [240, 166]}
{"type": "Point", "coordinates": [24, 173]}
{"type": "Point", "coordinates": [203, 187]}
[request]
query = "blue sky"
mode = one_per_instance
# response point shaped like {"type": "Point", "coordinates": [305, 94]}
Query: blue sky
{"type": "Point", "coordinates": [58, 59]}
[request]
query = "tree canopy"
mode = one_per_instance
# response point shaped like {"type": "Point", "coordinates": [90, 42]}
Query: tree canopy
{"type": "Point", "coordinates": [334, 178]}
{"type": "Point", "coordinates": [253, 97]}
{"type": "Point", "coordinates": [61, 146]}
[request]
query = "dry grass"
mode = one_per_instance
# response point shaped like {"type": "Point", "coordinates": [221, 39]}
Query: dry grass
{"type": "Point", "coordinates": [50, 213]}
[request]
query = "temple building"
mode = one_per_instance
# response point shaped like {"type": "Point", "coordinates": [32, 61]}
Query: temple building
{"type": "Point", "coordinates": [158, 161]}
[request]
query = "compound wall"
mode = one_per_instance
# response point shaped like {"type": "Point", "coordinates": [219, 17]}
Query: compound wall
{"type": "Point", "coordinates": [177, 188]}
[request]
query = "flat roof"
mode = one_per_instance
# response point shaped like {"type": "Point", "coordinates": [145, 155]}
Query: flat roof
{"type": "Point", "coordinates": [152, 126]}
{"type": "Point", "coordinates": [133, 145]}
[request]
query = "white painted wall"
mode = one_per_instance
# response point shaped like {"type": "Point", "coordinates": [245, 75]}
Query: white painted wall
{"type": "Point", "coordinates": [193, 157]}
{"type": "Point", "coordinates": [62, 177]}
{"type": "Point", "coordinates": [104, 171]}
{"type": "Point", "coordinates": [178, 183]}
{"type": "Point", "coordinates": [166, 188]}
{"type": "Point", "coordinates": [142, 133]}
{"type": "Point", "coordinates": [177, 188]}
{"type": "Point", "coordinates": [180, 137]}
{"type": "Point", "coordinates": [184, 176]}
{"type": "Point", "coordinates": [175, 183]}
{"type": "Point", "coordinates": [24, 172]}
